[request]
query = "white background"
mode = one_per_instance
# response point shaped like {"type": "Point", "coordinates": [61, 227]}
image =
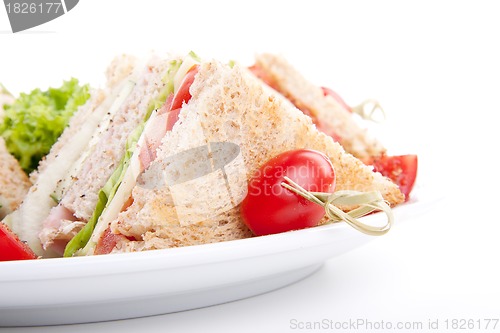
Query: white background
{"type": "Point", "coordinates": [434, 66]}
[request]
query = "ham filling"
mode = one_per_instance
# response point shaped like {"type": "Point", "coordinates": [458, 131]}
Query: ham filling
{"type": "Point", "coordinates": [59, 228]}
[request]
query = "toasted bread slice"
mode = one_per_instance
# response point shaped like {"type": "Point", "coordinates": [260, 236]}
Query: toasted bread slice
{"type": "Point", "coordinates": [324, 109]}
{"type": "Point", "coordinates": [227, 105]}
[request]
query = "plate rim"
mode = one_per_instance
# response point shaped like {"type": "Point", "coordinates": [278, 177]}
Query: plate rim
{"type": "Point", "coordinates": [12, 271]}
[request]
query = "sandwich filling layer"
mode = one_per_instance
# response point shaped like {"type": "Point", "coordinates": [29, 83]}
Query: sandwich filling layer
{"type": "Point", "coordinates": [140, 151]}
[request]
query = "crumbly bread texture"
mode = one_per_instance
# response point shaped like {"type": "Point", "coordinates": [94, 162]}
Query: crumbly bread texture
{"type": "Point", "coordinates": [14, 183]}
{"type": "Point", "coordinates": [227, 105]}
{"type": "Point", "coordinates": [303, 93]}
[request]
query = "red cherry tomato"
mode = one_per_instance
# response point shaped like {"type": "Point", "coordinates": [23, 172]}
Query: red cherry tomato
{"type": "Point", "coordinates": [182, 96]}
{"type": "Point", "coordinates": [401, 169]}
{"type": "Point", "coordinates": [270, 208]}
{"type": "Point", "coordinates": [11, 248]}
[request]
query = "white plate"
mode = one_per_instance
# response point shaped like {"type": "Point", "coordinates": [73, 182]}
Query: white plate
{"type": "Point", "coordinates": [100, 288]}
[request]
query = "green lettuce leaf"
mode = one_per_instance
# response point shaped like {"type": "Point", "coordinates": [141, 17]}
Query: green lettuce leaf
{"type": "Point", "coordinates": [34, 122]}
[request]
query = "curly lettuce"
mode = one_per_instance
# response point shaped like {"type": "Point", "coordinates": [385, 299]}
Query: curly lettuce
{"type": "Point", "coordinates": [34, 122]}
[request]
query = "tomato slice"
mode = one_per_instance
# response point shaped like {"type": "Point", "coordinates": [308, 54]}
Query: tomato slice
{"type": "Point", "coordinates": [182, 96]}
{"type": "Point", "coordinates": [173, 116]}
{"type": "Point", "coordinates": [401, 169]}
{"type": "Point", "coordinates": [108, 241]}
{"type": "Point", "coordinates": [270, 208]}
{"type": "Point", "coordinates": [11, 248]}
